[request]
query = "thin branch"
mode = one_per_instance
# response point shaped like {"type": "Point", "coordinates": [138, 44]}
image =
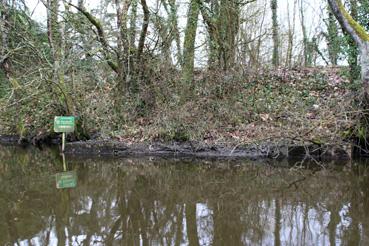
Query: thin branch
{"type": "Point", "coordinates": [101, 35]}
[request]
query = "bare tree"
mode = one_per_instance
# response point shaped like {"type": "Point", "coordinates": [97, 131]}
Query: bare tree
{"type": "Point", "coordinates": [290, 33]}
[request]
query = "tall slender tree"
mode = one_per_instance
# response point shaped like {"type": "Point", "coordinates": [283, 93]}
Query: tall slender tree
{"type": "Point", "coordinates": [290, 33]}
{"type": "Point", "coordinates": [305, 38]}
{"type": "Point", "coordinates": [56, 38]}
{"type": "Point", "coordinates": [333, 40]}
{"type": "Point", "coordinates": [4, 29]}
{"type": "Point", "coordinates": [123, 52]}
{"type": "Point", "coordinates": [353, 52]}
{"type": "Point", "coordinates": [275, 58]}
{"type": "Point", "coordinates": [189, 45]}
{"type": "Point", "coordinates": [173, 18]}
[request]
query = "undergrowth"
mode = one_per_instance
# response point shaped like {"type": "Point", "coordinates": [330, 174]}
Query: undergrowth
{"type": "Point", "coordinates": [308, 104]}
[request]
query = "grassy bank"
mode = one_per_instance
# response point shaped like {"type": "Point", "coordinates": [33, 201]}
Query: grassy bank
{"type": "Point", "coordinates": [309, 104]}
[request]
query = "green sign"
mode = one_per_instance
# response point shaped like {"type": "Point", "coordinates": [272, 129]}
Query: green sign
{"type": "Point", "coordinates": [66, 180]}
{"type": "Point", "coordinates": [64, 124]}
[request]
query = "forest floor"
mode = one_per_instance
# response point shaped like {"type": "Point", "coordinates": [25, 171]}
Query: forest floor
{"type": "Point", "coordinates": [302, 105]}
{"type": "Point", "coordinates": [306, 104]}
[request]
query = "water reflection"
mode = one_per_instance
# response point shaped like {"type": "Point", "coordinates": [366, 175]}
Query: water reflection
{"type": "Point", "coordinates": [66, 179]}
{"type": "Point", "coordinates": [159, 202]}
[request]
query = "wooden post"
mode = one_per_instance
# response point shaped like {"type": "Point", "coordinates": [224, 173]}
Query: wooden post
{"type": "Point", "coordinates": [64, 164]}
{"type": "Point", "coordinates": [63, 142]}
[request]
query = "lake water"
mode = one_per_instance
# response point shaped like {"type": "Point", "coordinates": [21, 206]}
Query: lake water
{"type": "Point", "coordinates": [155, 201]}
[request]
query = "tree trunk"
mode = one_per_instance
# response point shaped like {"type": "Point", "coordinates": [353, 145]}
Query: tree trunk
{"type": "Point", "coordinates": [364, 62]}
{"type": "Point", "coordinates": [145, 25]}
{"type": "Point", "coordinates": [174, 23]}
{"type": "Point", "coordinates": [275, 58]}
{"type": "Point", "coordinates": [213, 36]}
{"type": "Point", "coordinates": [132, 24]}
{"type": "Point", "coordinates": [305, 39]}
{"type": "Point", "coordinates": [290, 35]}
{"type": "Point", "coordinates": [55, 33]}
{"type": "Point", "coordinates": [353, 52]}
{"type": "Point", "coordinates": [191, 223]}
{"type": "Point", "coordinates": [132, 33]}
{"type": "Point", "coordinates": [140, 48]}
{"type": "Point", "coordinates": [124, 75]}
{"type": "Point", "coordinates": [277, 223]}
{"type": "Point", "coordinates": [228, 25]}
{"type": "Point", "coordinates": [4, 29]}
{"type": "Point", "coordinates": [222, 22]}
{"type": "Point", "coordinates": [359, 35]}
{"type": "Point", "coordinates": [189, 46]}
{"type": "Point", "coordinates": [333, 39]}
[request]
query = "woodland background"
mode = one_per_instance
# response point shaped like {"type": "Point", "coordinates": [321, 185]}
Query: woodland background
{"type": "Point", "coordinates": [219, 71]}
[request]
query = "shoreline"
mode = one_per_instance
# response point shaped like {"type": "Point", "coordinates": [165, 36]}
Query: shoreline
{"type": "Point", "coordinates": [280, 150]}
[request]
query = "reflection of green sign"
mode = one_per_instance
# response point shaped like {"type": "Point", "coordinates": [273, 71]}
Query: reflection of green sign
{"type": "Point", "coordinates": [66, 180]}
{"type": "Point", "coordinates": [64, 124]}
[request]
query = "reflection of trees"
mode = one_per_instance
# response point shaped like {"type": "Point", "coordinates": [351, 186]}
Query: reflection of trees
{"type": "Point", "coordinates": [277, 222]}
{"type": "Point", "coordinates": [134, 202]}
{"type": "Point", "coordinates": [21, 201]}
{"type": "Point", "coordinates": [193, 238]}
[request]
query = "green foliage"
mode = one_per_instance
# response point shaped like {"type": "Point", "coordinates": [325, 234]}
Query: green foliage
{"type": "Point", "coordinates": [354, 85]}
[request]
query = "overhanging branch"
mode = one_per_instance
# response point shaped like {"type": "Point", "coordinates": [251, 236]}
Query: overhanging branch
{"type": "Point", "coordinates": [101, 35]}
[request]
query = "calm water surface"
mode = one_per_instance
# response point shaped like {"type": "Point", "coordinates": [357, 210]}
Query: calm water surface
{"type": "Point", "coordinates": [169, 202]}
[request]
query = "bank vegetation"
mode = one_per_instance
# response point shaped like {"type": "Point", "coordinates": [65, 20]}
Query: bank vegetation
{"type": "Point", "coordinates": [220, 71]}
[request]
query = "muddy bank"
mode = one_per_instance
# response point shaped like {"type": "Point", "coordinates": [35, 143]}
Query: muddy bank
{"type": "Point", "coordinates": [37, 141]}
{"type": "Point", "coordinates": [11, 139]}
{"type": "Point", "coordinates": [273, 150]}
{"type": "Point", "coordinates": [191, 149]}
